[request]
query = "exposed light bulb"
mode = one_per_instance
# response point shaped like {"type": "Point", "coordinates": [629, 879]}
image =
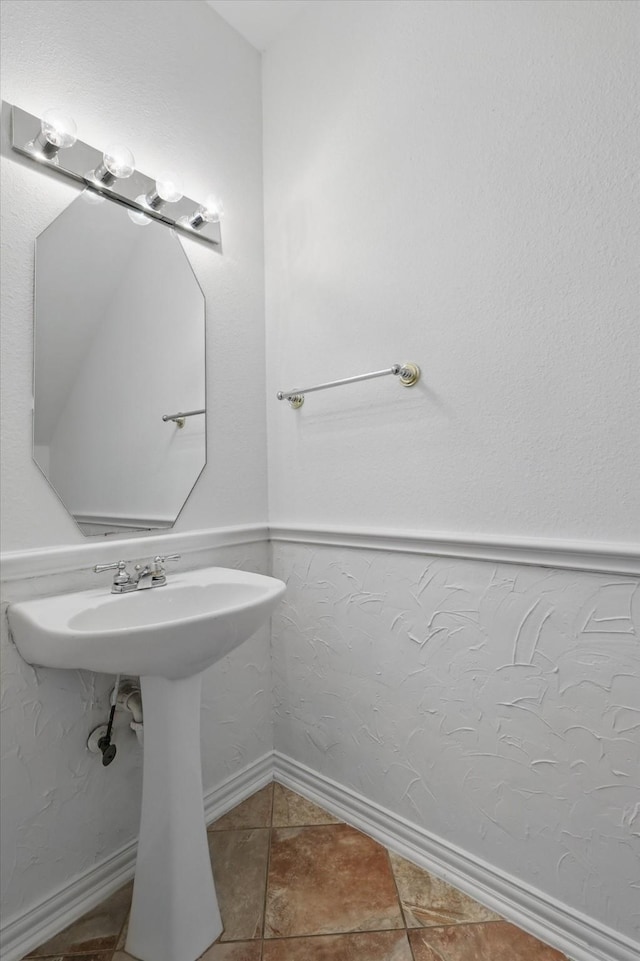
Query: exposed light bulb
{"type": "Point", "coordinates": [57, 131]}
{"type": "Point", "coordinates": [210, 212]}
{"type": "Point", "coordinates": [118, 163]}
{"type": "Point", "coordinates": [168, 190]}
{"type": "Point", "coordinates": [138, 218]}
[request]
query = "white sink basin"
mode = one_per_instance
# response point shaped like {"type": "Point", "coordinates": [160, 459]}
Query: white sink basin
{"type": "Point", "coordinates": [168, 635]}
{"type": "Point", "coordinates": [173, 631]}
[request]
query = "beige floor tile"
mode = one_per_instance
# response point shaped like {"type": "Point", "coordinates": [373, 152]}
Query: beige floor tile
{"type": "Point", "coordinates": [376, 946]}
{"type": "Point", "coordinates": [238, 951]}
{"type": "Point", "coordinates": [255, 812]}
{"type": "Point", "coordinates": [97, 931]}
{"type": "Point", "coordinates": [491, 941]}
{"type": "Point", "coordinates": [292, 810]}
{"type": "Point", "coordinates": [239, 861]}
{"type": "Point", "coordinates": [328, 879]}
{"type": "Point", "coordinates": [100, 956]}
{"type": "Point", "coordinates": [331, 896]}
{"type": "Point", "coordinates": [426, 900]}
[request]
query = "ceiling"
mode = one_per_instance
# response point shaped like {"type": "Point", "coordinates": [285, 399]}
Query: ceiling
{"type": "Point", "coordinates": [259, 21]}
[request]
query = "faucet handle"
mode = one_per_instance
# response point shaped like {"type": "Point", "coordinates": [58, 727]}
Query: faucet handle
{"type": "Point", "coordinates": [122, 577]}
{"type": "Point", "coordinates": [117, 565]}
{"type": "Point", "coordinates": [160, 560]}
{"type": "Point", "coordinates": [158, 573]}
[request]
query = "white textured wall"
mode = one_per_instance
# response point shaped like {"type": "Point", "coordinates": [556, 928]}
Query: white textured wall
{"type": "Point", "coordinates": [178, 85]}
{"type": "Point", "coordinates": [497, 706]}
{"type": "Point", "coordinates": [452, 184]}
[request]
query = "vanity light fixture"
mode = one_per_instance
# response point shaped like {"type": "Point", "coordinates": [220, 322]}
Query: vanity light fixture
{"type": "Point", "coordinates": [118, 163]}
{"type": "Point", "coordinates": [210, 212]}
{"type": "Point", "coordinates": [57, 131]}
{"type": "Point", "coordinates": [113, 175]}
{"type": "Point", "coordinates": [168, 190]}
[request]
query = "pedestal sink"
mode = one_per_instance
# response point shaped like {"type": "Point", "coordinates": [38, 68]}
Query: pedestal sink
{"type": "Point", "coordinates": [168, 636]}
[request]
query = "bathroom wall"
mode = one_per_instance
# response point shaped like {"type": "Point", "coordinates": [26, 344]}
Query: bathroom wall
{"type": "Point", "coordinates": [451, 184]}
{"type": "Point", "coordinates": [182, 89]}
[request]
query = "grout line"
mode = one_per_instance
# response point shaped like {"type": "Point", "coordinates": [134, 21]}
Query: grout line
{"type": "Point", "coordinates": [277, 827]}
{"type": "Point", "coordinates": [305, 936]}
{"type": "Point", "coordinates": [398, 895]}
{"type": "Point", "coordinates": [401, 903]}
{"type": "Point", "coordinates": [430, 948]}
{"type": "Point", "coordinates": [266, 879]}
{"type": "Point", "coordinates": [343, 933]}
{"type": "Point", "coordinates": [124, 924]}
{"type": "Point", "coordinates": [333, 934]}
{"type": "Point", "coordinates": [457, 924]}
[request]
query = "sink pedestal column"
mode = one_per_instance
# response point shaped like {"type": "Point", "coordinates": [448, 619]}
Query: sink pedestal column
{"type": "Point", "coordinates": [174, 914]}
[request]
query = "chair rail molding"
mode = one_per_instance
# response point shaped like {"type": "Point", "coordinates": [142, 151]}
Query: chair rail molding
{"type": "Point", "coordinates": [594, 556]}
{"type": "Point", "coordinates": [40, 562]}
{"type": "Point", "coordinates": [578, 555]}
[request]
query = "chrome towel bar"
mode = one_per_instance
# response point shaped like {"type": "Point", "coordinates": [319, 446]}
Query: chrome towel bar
{"type": "Point", "coordinates": [180, 416]}
{"type": "Point", "coordinates": [409, 375]}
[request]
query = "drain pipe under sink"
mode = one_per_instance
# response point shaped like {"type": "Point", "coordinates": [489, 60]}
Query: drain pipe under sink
{"type": "Point", "coordinates": [130, 699]}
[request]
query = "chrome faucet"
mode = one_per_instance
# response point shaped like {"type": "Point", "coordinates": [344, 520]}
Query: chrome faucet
{"type": "Point", "coordinates": [151, 574]}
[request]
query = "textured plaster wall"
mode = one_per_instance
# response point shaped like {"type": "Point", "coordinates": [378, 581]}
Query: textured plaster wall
{"type": "Point", "coordinates": [496, 706]}
{"type": "Point", "coordinates": [452, 184]}
{"type": "Point", "coordinates": [182, 89]}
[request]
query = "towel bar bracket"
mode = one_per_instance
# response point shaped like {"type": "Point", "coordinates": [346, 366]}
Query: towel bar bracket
{"type": "Point", "coordinates": [409, 375]}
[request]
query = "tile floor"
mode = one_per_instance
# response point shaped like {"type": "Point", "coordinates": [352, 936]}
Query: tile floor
{"type": "Point", "coordinates": [295, 884]}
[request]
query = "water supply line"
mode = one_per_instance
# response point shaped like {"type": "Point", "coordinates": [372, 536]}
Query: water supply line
{"type": "Point", "coordinates": [125, 696]}
{"type": "Point", "coordinates": [108, 749]}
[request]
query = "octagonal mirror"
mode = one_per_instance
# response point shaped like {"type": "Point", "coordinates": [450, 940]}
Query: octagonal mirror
{"type": "Point", "coordinates": [119, 349]}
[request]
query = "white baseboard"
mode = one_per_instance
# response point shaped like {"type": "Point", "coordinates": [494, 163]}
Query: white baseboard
{"type": "Point", "coordinates": [578, 936]}
{"type": "Point", "coordinates": [49, 917]}
{"type": "Point", "coordinates": [37, 924]}
{"type": "Point", "coordinates": [238, 788]}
